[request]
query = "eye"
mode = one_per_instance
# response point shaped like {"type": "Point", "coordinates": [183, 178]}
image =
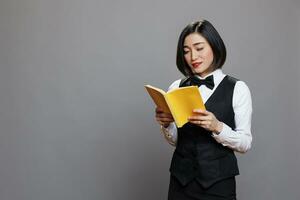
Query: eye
{"type": "Point", "coordinates": [199, 49]}
{"type": "Point", "coordinates": [185, 52]}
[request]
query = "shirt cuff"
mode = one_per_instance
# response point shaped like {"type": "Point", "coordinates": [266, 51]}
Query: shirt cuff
{"type": "Point", "coordinates": [165, 131]}
{"type": "Point", "coordinates": [169, 134]}
{"type": "Point", "coordinates": [223, 135]}
{"type": "Point", "coordinates": [168, 131]}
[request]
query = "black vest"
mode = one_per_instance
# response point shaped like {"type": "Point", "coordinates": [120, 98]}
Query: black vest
{"type": "Point", "coordinates": [197, 155]}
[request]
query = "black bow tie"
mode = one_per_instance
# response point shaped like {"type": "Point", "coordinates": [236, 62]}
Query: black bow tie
{"type": "Point", "coordinates": [208, 82]}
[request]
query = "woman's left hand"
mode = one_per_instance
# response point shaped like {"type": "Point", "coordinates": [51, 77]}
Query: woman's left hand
{"type": "Point", "coordinates": [206, 120]}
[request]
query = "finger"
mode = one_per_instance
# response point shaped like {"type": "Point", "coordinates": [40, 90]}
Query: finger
{"type": "Point", "coordinates": [205, 118]}
{"type": "Point", "coordinates": [160, 122]}
{"type": "Point", "coordinates": [201, 124]}
{"type": "Point", "coordinates": [196, 122]}
{"type": "Point", "coordinates": [164, 119]}
{"type": "Point", "coordinates": [200, 111]}
{"type": "Point", "coordinates": [168, 119]}
{"type": "Point", "coordinates": [205, 123]}
{"type": "Point", "coordinates": [194, 118]}
{"type": "Point", "coordinates": [162, 112]}
{"type": "Point", "coordinates": [167, 115]}
{"type": "Point", "coordinates": [163, 115]}
{"type": "Point", "coordinates": [158, 110]}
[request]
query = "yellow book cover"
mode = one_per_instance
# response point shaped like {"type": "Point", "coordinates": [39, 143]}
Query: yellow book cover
{"type": "Point", "coordinates": [180, 102]}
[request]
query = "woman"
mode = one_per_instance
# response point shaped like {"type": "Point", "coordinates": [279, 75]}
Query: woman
{"type": "Point", "coordinates": [204, 165]}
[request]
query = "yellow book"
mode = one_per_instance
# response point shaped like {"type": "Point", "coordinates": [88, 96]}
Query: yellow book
{"type": "Point", "coordinates": [180, 102]}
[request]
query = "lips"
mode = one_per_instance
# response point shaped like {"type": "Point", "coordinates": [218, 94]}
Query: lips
{"type": "Point", "coordinates": [196, 64]}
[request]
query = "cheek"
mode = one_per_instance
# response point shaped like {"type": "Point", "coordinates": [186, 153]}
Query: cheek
{"type": "Point", "coordinates": [209, 56]}
{"type": "Point", "coordinates": [186, 57]}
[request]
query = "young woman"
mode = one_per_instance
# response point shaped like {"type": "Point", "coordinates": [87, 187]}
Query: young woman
{"type": "Point", "coordinates": [204, 165]}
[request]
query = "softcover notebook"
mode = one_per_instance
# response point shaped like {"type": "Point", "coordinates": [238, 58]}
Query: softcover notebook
{"type": "Point", "coordinates": [180, 102]}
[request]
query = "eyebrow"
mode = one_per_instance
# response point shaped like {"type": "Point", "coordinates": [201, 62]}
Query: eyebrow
{"type": "Point", "coordinates": [194, 44]}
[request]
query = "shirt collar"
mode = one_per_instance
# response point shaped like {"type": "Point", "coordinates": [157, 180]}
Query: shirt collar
{"type": "Point", "coordinates": [217, 74]}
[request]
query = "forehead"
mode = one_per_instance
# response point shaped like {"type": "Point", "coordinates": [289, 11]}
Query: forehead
{"type": "Point", "coordinates": [194, 38]}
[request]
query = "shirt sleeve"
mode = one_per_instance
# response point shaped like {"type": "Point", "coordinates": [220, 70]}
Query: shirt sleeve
{"type": "Point", "coordinates": [170, 133]}
{"type": "Point", "coordinates": [239, 139]}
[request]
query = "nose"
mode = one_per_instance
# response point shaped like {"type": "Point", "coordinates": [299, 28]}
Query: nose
{"type": "Point", "coordinates": [194, 55]}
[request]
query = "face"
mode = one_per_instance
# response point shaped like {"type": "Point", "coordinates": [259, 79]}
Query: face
{"type": "Point", "coordinates": [198, 54]}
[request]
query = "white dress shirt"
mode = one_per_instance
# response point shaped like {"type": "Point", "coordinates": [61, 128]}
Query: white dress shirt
{"type": "Point", "coordinates": [238, 139]}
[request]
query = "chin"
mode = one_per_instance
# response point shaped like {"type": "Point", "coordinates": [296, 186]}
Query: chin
{"type": "Point", "coordinates": [198, 72]}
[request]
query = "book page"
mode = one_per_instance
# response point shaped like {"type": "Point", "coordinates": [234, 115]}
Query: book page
{"type": "Point", "coordinates": [158, 96]}
{"type": "Point", "coordinates": [182, 101]}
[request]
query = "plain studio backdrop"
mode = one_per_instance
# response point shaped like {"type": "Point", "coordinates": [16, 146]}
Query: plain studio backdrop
{"type": "Point", "coordinates": [77, 124]}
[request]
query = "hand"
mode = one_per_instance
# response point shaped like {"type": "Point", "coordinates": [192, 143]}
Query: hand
{"type": "Point", "coordinates": [163, 118]}
{"type": "Point", "coordinates": [206, 120]}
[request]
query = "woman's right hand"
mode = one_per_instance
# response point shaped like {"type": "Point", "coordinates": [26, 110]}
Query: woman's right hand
{"type": "Point", "coordinates": [163, 118]}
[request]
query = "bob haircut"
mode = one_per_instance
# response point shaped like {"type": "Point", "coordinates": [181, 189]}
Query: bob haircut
{"type": "Point", "coordinates": [206, 30]}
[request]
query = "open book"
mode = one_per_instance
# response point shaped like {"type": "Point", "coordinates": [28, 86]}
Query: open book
{"type": "Point", "coordinates": [180, 102]}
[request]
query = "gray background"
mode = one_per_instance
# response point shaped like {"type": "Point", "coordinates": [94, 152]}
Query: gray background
{"type": "Point", "coordinates": [76, 122]}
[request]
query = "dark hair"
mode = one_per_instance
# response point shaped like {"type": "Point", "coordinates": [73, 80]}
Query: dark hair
{"type": "Point", "coordinates": [206, 30]}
